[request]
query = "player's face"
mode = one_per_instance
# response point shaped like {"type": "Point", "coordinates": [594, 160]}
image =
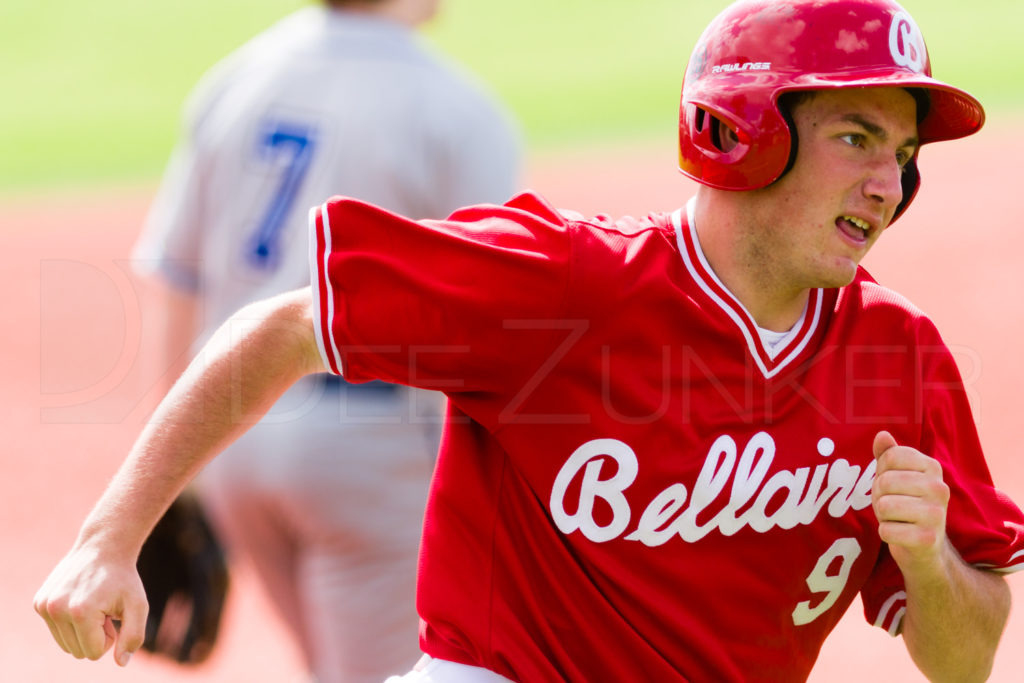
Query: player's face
{"type": "Point", "coordinates": [819, 220]}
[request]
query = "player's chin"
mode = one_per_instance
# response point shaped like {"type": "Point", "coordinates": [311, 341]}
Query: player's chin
{"type": "Point", "coordinates": [839, 275]}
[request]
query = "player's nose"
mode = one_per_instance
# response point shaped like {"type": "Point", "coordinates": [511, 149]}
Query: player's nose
{"type": "Point", "coordinates": [884, 183]}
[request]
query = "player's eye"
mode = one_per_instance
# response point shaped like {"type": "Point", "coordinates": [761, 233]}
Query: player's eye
{"type": "Point", "coordinates": [853, 139]}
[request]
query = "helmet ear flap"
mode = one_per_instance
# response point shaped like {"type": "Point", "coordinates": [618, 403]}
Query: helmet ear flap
{"type": "Point", "coordinates": [714, 148]}
{"type": "Point", "coordinates": [713, 134]}
{"type": "Point", "coordinates": [719, 148]}
{"type": "Point", "coordinates": [701, 125]}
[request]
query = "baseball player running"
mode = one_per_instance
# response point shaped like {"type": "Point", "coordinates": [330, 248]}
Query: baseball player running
{"type": "Point", "coordinates": [677, 447]}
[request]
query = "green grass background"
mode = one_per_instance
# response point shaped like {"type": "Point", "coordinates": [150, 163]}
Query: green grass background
{"type": "Point", "coordinates": [92, 91]}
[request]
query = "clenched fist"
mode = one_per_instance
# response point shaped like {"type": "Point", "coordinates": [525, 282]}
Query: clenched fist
{"type": "Point", "coordinates": [910, 499]}
{"type": "Point", "coordinates": [83, 598]}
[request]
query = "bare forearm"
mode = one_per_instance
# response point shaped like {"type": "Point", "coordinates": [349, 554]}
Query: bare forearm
{"type": "Point", "coordinates": [955, 617]}
{"type": "Point", "coordinates": [240, 373]}
{"type": "Point", "coordinates": [247, 365]}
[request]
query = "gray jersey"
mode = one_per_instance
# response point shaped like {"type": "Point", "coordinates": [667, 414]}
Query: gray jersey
{"type": "Point", "coordinates": [273, 130]}
{"type": "Point", "coordinates": [325, 494]}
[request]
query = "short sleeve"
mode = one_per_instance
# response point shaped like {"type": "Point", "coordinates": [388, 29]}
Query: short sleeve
{"type": "Point", "coordinates": [982, 523]}
{"type": "Point", "coordinates": [431, 303]}
{"type": "Point", "coordinates": [883, 595]}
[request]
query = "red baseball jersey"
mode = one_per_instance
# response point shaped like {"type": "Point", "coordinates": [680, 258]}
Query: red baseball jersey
{"type": "Point", "coordinates": [631, 487]}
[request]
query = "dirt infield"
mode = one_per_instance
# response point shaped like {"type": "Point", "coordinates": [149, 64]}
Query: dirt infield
{"type": "Point", "coordinates": [81, 373]}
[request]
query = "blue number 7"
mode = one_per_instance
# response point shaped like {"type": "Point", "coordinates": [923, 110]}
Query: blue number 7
{"type": "Point", "coordinates": [297, 142]}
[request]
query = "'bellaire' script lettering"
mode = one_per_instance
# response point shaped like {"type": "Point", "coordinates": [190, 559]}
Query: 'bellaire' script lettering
{"type": "Point", "coordinates": [836, 486]}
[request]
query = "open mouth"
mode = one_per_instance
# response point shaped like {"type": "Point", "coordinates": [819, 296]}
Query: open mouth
{"type": "Point", "coordinates": [855, 228]}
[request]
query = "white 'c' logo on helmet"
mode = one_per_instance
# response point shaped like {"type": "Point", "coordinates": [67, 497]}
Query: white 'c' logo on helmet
{"type": "Point", "coordinates": [906, 42]}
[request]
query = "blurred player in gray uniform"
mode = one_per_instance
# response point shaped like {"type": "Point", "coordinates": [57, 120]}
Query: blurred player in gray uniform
{"type": "Point", "coordinates": [326, 494]}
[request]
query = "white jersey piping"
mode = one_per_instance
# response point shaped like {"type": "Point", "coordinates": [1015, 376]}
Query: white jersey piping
{"type": "Point", "coordinates": [744, 326]}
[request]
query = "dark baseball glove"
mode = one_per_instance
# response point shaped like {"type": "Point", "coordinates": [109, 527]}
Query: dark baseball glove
{"type": "Point", "coordinates": [185, 574]}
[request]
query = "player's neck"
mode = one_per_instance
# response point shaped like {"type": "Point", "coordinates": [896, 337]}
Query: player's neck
{"type": "Point", "coordinates": [773, 303]}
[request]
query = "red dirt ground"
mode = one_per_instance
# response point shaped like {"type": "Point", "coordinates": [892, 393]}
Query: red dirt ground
{"type": "Point", "coordinates": [80, 375]}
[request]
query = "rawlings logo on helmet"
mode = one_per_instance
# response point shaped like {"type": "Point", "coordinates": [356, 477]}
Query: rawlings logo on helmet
{"type": "Point", "coordinates": [744, 66]}
{"type": "Point", "coordinates": [906, 43]}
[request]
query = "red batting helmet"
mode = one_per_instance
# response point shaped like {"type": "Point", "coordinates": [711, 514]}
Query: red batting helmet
{"type": "Point", "coordinates": [755, 50]}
